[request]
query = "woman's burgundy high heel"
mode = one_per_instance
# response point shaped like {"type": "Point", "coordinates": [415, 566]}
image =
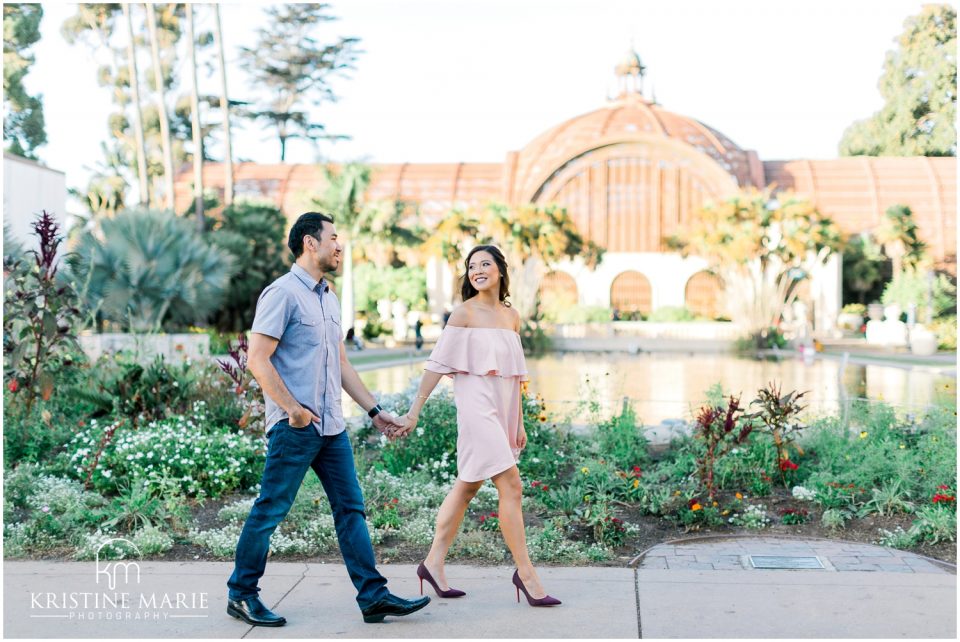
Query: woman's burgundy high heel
{"type": "Point", "coordinates": [424, 574]}
{"type": "Point", "coordinates": [533, 601]}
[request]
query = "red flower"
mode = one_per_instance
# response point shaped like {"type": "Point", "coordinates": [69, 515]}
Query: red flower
{"type": "Point", "coordinates": [544, 488]}
{"type": "Point", "coordinates": [943, 487]}
{"type": "Point", "coordinates": [13, 386]}
{"type": "Point", "coordinates": [534, 483]}
{"type": "Point", "coordinates": [942, 498]}
{"type": "Point", "coordinates": [493, 515]}
{"type": "Point", "coordinates": [786, 464]}
{"type": "Point", "coordinates": [394, 501]}
{"type": "Point", "coordinates": [637, 472]}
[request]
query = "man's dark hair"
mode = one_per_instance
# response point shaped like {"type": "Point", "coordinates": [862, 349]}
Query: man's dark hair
{"type": "Point", "coordinates": [310, 223]}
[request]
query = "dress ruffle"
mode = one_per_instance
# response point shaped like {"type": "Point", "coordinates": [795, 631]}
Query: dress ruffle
{"type": "Point", "coordinates": [478, 351]}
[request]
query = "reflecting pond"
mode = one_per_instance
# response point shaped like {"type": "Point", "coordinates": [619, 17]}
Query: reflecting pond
{"type": "Point", "coordinates": [668, 385]}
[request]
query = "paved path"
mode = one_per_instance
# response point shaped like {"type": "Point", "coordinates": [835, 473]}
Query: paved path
{"type": "Point", "coordinates": [699, 588]}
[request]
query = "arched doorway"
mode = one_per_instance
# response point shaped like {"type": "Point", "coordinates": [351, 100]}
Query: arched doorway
{"type": "Point", "coordinates": [630, 293]}
{"type": "Point", "coordinates": [702, 295]}
{"type": "Point", "coordinates": [558, 292]}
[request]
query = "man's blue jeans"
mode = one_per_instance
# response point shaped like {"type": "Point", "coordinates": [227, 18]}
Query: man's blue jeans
{"type": "Point", "coordinates": [290, 453]}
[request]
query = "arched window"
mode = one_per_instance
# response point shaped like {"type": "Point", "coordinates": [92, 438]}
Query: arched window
{"type": "Point", "coordinates": [558, 289]}
{"type": "Point", "coordinates": [630, 292]}
{"type": "Point", "coordinates": [702, 295]}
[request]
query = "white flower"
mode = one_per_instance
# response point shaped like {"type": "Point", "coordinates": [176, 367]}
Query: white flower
{"type": "Point", "coordinates": [807, 494]}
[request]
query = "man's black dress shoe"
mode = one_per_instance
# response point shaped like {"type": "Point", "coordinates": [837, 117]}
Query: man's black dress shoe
{"type": "Point", "coordinates": [393, 605]}
{"type": "Point", "coordinates": [254, 612]}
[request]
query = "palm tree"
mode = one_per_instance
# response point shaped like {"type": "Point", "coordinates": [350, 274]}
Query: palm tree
{"type": "Point", "coordinates": [137, 112]}
{"type": "Point", "coordinates": [146, 268]}
{"type": "Point", "coordinates": [195, 124]}
{"type": "Point", "coordinates": [161, 106]}
{"type": "Point", "coordinates": [898, 233]}
{"type": "Point", "coordinates": [225, 107]}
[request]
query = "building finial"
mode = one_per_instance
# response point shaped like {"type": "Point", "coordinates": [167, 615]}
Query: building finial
{"type": "Point", "coordinates": [630, 72]}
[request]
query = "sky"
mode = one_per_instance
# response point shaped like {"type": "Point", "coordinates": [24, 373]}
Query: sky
{"type": "Point", "coordinates": [470, 80]}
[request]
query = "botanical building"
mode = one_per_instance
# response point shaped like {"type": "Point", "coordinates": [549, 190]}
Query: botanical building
{"type": "Point", "coordinates": [632, 173]}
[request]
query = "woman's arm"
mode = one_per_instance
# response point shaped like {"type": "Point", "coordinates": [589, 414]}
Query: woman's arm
{"type": "Point", "coordinates": [428, 382]}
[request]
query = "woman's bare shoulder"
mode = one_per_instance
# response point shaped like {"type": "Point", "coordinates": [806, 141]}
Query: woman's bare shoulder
{"type": "Point", "coordinates": [460, 316]}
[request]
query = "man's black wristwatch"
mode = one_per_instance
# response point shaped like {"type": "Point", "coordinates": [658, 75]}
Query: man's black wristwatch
{"type": "Point", "coordinates": [373, 412]}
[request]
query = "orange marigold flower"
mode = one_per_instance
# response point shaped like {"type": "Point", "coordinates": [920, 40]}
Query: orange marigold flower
{"type": "Point", "coordinates": [696, 507]}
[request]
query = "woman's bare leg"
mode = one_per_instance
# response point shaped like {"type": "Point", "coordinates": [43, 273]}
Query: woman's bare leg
{"type": "Point", "coordinates": [511, 525]}
{"type": "Point", "coordinates": [449, 518]}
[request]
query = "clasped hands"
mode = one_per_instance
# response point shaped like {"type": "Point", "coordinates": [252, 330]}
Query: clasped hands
{"type": "Point", "coordinates": [394, 427]}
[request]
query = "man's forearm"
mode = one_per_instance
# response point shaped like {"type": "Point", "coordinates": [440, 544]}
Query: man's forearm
{"type": "Point", "coordinates": [272, 385]}
{"type": "Point", "coordinates": [354, 386]}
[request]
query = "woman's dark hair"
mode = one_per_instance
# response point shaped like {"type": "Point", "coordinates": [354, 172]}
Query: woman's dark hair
{"type": "Point", "coordinates": [309, 224]}
{"type": "Point", "coordinates": [467, 291]}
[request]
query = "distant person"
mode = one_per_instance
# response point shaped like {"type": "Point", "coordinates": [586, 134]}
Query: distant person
{"type": "Point", "coordinates": [418, 334]}
{"type": "Point", "coordinates": [446, 316]}
{"type": "Point", "coordinates": [481, 349]}
{"type": "Point", "coordinates": [300, 362]}
{"type": "Point", "coordinates": [353, 339]}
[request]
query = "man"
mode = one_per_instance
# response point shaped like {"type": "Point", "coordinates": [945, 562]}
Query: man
{"type": "Point", "coordinates": [297, 356]}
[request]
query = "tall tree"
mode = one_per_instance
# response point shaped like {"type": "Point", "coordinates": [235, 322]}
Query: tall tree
{"type": "Point", "coordinates": [762, 249]}
{"type": "Point", "coordinates": [160, 87]}
{"type": "Point", "coordinates": [195, 124]}
{"type": "Point", "coordinates": [134, 79]}
{"type": "Point", "coordinates": [360, 223]}
{"type": "Point", "coordinates": [919, 87]}
{"type": "Point", "coordinates": [23, 124]}
{"type": "Point", "coordinates": [289, 62]}
{"type": "Point", "coordinates": [224, 108]}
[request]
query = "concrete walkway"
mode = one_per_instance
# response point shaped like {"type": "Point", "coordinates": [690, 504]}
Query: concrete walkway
{"type": "Point", "coordinates": [699, 588]}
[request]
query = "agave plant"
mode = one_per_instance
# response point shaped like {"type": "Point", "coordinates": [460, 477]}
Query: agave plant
{"type": "Point", "coordinates": [146, 268]}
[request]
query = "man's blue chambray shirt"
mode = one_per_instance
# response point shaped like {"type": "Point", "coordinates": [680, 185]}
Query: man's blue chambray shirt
{"type": "Point", "coordinates": [304, 316]}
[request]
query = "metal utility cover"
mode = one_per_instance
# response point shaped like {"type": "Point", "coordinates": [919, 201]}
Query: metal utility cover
{"type": "Point", "coordinates": [785, 562]}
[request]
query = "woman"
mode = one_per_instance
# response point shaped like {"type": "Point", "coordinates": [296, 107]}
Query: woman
{"type": "Point", "coordinates": [480, 348]}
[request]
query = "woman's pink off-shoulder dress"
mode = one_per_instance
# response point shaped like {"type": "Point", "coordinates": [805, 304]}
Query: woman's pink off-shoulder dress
{"type": "Point", "coordinates": [487, 366]}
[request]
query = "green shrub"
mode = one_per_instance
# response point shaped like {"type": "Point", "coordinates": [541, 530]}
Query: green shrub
{"type": "Point", "coordinates": [911, 286]}
{"type": "Point", "coordinates": [671, 314]}
{"type": "Point", "coordinates": [946, 330]}
{"type": "Point", "coordinates": [621, 441]}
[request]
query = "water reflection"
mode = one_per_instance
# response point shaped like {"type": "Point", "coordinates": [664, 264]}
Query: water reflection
{"type": "Point", "coordinates": [664, 385]}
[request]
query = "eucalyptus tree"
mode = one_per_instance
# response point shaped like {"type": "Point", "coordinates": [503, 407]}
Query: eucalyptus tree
{"type": "Point", "coordinates": [134, 83]}
{"type": "Point", "coordinates": [164, 121]}
{"type": "Point", "coordinates": [224, 108]}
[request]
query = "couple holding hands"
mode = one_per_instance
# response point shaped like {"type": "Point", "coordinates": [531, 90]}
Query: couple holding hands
{"type": "Point", "coordinates": [297, 355]}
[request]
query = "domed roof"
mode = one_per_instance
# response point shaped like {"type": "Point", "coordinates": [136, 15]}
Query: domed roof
{"type": "Point", "coordinates": [629, 118]}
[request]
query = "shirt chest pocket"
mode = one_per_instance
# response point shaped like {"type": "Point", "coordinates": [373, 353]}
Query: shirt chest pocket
{"type": "Point", "coordinates": [312, 329]}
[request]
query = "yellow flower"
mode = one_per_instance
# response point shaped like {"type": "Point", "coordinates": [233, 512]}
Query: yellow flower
{"type": "Point", "coordinates": [739, 496]}
{"type": "Point", "coordinates": [715, 504]}
{"type": "Point", "coordinates": [902, 446]}
{"type": "Point", "coordinates": [636, 483]}
{"type": "Point", "coordinates": [725, 513]}
{"type": "Point", "coordinates": [584, 470]}
{"type": "Point", "coordinates": [863, 435]}
{"type": "Point", "coordinates": [696, 507]}
{"type": "Point", "coordinates": [676, 492]}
